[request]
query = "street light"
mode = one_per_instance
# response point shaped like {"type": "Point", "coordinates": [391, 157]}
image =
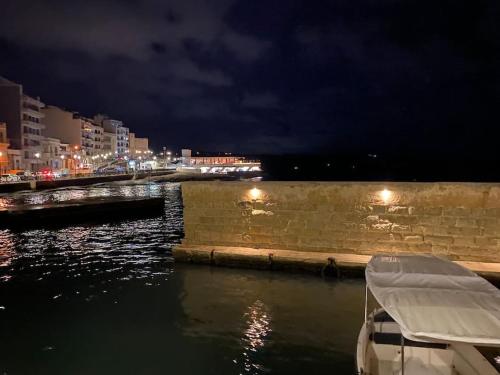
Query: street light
{"type": "Point", "coordinates": [37, 156]}
{"type": "Point", "coordinates": [62, 161]}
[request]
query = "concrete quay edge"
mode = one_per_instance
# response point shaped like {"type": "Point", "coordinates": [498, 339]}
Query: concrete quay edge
{"type": "Point", "coordinates": [94, 210]}
{"type": "Point", "coordinates": [291, 260]}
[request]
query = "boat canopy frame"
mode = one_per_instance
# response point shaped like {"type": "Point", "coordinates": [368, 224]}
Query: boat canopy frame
{"type": "Point", "coordinates": [435, 300]}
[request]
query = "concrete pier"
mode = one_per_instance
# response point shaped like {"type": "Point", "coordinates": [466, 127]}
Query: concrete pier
{"type": "Point", "coordinates": [80, 211]}
{"type": "Point", "coordinates": [320, 263]}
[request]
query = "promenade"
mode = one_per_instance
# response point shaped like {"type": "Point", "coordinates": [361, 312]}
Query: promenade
{"type": "Point", "coordinates": [153, 176]}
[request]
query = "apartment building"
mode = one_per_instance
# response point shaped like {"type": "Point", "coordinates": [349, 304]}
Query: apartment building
{"type": "Point", "coordinates": [4, 146]}
{"type": "Point", "coordinates": [138, 145]}
{"type": "Point", "coordinates": [109, 143]}
{"type": "Point", "coordinates": [51, 155]}
{"type": "Point", "coordinates": [68, 162]}
{"type": "Point", "coordinates": [37, 133]}
{"type": "Point", "coordinates": [122, 145]}
{"type": "Point", "coordinates": [92, 136]}
{"type": "Point", "coordinates": [81, 133]}
{"type": "Point", "coordinates": [23, 116]}
{"type": "Point", "coordinates": [15, 158]}
{"type": "Point", "coordinates": [121, 133]}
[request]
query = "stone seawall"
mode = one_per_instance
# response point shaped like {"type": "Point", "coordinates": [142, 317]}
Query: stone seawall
{"type": "Point", "coordinates": [460, 221]}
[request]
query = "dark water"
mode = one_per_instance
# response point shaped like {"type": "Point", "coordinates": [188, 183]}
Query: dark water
{"type": "Point", "coordinates": [107, 299]}
{"type": "Point", "coordinates": [462, 166]}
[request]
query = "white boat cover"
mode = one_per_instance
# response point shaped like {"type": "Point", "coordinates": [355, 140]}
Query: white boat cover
{"type": "Point", "coordinates": [435, 300]}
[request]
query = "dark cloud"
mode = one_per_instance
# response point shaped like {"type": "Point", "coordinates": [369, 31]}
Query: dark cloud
{"type": "Point", "coordinates": [172, 16]}
{"type": "Point", "coordinates": [265, 100]}
{"type": "Point", "coordinates": [107, 28]}
{"type": "Point", "coordinates": [158, 47]}
{"type": "Point", "coordinates": [271, 76]}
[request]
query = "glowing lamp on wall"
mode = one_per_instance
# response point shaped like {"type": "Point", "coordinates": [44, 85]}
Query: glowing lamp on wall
{"type": "Point", "coordinates": [386, 195]}
{"type": "Point", "coordinates": [255, 193]}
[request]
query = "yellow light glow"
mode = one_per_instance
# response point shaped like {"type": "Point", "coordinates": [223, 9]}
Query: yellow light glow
{"type": "Point", "coordinates": [386, 195]}
{"type": "Point", "coordinates": [255, 193]}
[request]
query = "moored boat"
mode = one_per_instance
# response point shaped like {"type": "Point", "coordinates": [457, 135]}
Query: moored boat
{"type": "Point", "coordinates": [434, 317]}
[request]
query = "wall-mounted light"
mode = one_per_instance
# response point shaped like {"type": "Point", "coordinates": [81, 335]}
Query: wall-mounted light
{"type": "Point", "coordinates": [386, 195]}
{"type": "Point", "coordinates": [255, 193]}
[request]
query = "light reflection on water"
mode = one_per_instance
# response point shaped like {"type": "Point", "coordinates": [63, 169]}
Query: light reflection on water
{"type": "Point", "coordinates": [273, 322]}
{"type": "Point", "coordinates": [72, 193]}
{"type": "Point", "coordinates": [125, 243]}
{"type": "Point", "coordinates": [7, 250]}
{"type": "Point", "coordinates": [106, 299]}
{"type": "Point", "coordinates": [258, 322]}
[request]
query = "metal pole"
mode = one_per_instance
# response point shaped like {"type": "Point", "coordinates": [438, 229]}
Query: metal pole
{"type": "Point", "coordinates": [366, 302]}
{"type": "Point", "coordinates": [402, 355]}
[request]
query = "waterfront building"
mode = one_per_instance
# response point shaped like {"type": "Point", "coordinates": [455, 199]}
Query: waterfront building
{"type": "Point", "coordinates": [61, 124]}
{"type": "Point", "coordinates": [92, 134]}
{"type": "Point", "coordinates": [68, 160]}
{"type": "Point", "coordinates": [51, 155]}
{"type": "Point", "coordinates": [83, 134]}
{"type": "Point", "coordinates": [188, 159]}
{"type": "Point", "coordinates": [131, 143]}
{"type": "Point", "coordinates": [219, 163]}
{"type": "Point", "coordinates": [120, 131]}
{"type": "Point", "coordinates": [98, 137]}
{"type": "Point", "coordinates": [15, 159]}
{"type": "Point", "coordinates": [4, 146]}
{"type": "Point", "coordinates": [138, 145]}
{"type": "Point", "coordinates": [109, 143]}
{"type": "Point", "coordinates": [122, 146]}
{"type": "Point", "coordinates": [185, 155]}
{"type": "Point", "coordinates": [23, 116]}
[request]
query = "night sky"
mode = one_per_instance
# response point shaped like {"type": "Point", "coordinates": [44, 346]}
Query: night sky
{"type": "Point", "coordinates": [249, 76]}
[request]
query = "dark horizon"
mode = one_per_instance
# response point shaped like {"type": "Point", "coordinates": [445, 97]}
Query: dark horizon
{"type": "Point", "coordinates": [269, 78]}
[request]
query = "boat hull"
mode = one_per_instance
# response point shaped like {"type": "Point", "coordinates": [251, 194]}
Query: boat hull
{"type": "Point", "coordinates": [379, 349]}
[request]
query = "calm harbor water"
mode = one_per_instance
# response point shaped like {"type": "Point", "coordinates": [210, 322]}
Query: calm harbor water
{"type": "Point", "coordinates": [107, 299]}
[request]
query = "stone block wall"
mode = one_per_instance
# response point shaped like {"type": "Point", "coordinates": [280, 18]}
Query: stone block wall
{"type": "Point", "coordinates": [458, 220]}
